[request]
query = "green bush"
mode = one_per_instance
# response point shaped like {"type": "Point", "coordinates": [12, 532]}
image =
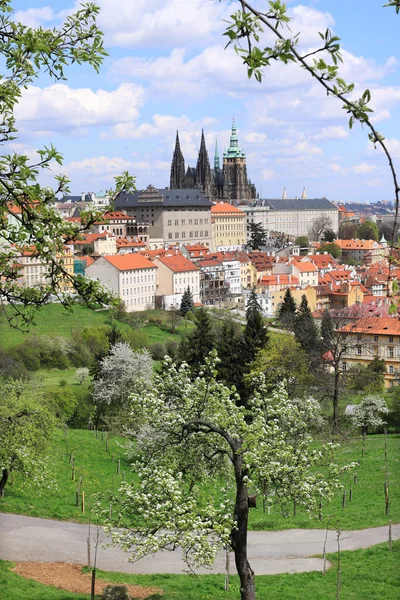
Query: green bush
{"type": "Point", "coordinates": [157, 351]}
{"type": "Point", "coordinates": [172, 349]}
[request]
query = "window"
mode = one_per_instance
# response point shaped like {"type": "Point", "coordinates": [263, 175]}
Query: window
{"type": "Point", "coordinates": [390, 339]}
{"type": "Point", "coordinates": [359, 350]}
{"type": "Point", "coordinates": [391, 352]}
{"type": "Point", "coordinates": [170, 236]}
{"type": "Point", "coordinates": [376, 338]}
{"type": "Point", "coordinates": [182, 221]}
{"type": "Point", "coordinates": [391, 369]}
{"type": "Point", "coordinates": [176, 221]}
{"type": "Point", "coordinates": [177, 235]}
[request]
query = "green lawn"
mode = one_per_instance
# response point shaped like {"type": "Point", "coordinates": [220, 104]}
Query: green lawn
{"type": "Point", "coordinates": [98, 470]}
{"type": "Point", "coordinates": [54, 319]}
{"type": "Point", "coordinates": [52, 377]}
{"type": "Point", "coordinates": [371, 574]}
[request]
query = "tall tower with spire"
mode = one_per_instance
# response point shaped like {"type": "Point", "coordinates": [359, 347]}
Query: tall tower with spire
{"type": "Point", "coordinates": [203, 171]}
{"type": "Point", "coordinates": [236, 186]}
{"type": "Point", "coordinates": [177, 178]}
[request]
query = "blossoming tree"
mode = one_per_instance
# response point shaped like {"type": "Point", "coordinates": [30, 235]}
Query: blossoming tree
{"type": "Point", "coordinates": [194, 434]}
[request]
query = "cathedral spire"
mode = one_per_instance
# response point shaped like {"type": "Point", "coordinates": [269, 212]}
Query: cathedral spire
{"type": "Point", "coordinates": [304, 194]}
{"type": "Point", "coordinates": [203, 171]}
{"type": "Point", "coordinates": [284, 195]}
{"type": "Point", "coordinates": [177, 178]}
{"type": "Point", "coordinates": [216, 156]}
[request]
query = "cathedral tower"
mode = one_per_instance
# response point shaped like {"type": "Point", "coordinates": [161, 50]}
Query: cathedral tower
{"type": "Point", "coordinates": [177, 178]}
{"type": "Point", "coordinates": [234, 170]}
{"type": "Point", "coordinates": [203, 171]}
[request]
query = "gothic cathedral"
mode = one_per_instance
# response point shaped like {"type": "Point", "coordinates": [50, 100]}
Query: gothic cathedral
{"type": "Point", "coordinates": [230, 183]}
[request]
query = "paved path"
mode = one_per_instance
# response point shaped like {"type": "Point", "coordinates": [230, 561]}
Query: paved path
{"type": "Point", "coordinates": [30, 539]}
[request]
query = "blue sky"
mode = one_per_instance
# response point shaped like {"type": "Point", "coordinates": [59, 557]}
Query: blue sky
{"type": "Point", "coordinates": [167, 69]}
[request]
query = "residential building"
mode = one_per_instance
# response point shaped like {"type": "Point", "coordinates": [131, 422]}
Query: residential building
{"type": "Point", "coordinates": [131, 277]}
{"type": "Point", "coordinates": [306, 272]}
{"type": "Point", "coordinates": [125, 246]}
{"type": "Point", "coordinates": [213, 288]}
{"type": "Point", "coordinates": [175, 274]}
{"type": "Point", "coordinates": [375, 337]}
{"type": "Point", "coordinates": [231, 266]}
{"type": "Point", "coordinates": [172, 216]}
{"type": "Point", "coordinates": [33, 272]}
{"type": "Point", "coordinates": [366, 252]}
{"type": "Point", "coordinates": [228, 227]}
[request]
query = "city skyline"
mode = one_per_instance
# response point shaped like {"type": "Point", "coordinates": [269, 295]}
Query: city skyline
{"type": "Point", "coordinates": [167, 69]}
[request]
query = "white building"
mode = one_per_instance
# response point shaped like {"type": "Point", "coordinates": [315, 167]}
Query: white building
{"type": "Point", "coordinates": [291, 216]}
{"type": "Point", "coordinates": [132, 277]}
{"type": "Point", "coordinates": [175, 274]}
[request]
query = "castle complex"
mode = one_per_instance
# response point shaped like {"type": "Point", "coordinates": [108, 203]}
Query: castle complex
{"type": "Point", "coordinates": [229, 183]}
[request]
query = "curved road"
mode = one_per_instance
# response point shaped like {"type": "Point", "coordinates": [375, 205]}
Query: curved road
{"type": "Point", "coordinates": [30, 539]}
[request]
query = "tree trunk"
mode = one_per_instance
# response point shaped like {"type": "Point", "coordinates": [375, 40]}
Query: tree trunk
{"type": "Point", "coordinates": [239, 535]}
{"type": "Point", "coordinates": [335, 402]}
{"type": "Point", "coordinates": [3, 480]}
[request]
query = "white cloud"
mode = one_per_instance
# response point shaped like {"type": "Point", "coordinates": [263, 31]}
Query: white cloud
{"type": "Point", "coordinates": [60, 107]}
{"type": "Point", "coordinates": [332, 133]}
{"type": "Point", "coordinates": [363, 168]}
{"type": "Point", "coordinates": [336, 168]}
{"type": "Point", "coordinates": [34, 17]}
{"type": "Point", "coordinates": [267, 174]}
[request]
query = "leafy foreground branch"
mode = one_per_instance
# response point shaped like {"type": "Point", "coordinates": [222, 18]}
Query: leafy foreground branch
{"type": "Point", "coordinates": [195, 433]}
{"type": "Point", "coordinates": [29, 225]}
{"type": "Point", "coordinates": [244, 31]}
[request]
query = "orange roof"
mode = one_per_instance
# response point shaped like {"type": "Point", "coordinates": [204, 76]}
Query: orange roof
{"type": "Point", "coordinates": [322, 260]}
{"type": "Point", "coordinates": [88, 260]}
{"type": "Point", "coordinates": [224, 207]}
{"type": "Point", "coordinates": [152, 254]}
{"type": "Point", "coordinates": [358, 244]}
{"type": "Point", "coordinates": [124, 243]}
{"type": "Point", "coordinates": [375, 325]}
{"type": "Point", "coordinates": [281, 279]}
{"type": "Point", "coordinates": [178, 263]}
{"type": "Point", "coordinates": [305, 267]}
{"type": "Point", "coordinates": [89, 238]}
{"type": "Point", "coordinates": [207, 262]}
{"type": "Point", "coordinates": [129, 262]}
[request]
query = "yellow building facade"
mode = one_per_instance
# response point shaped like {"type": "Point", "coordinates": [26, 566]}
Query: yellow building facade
{"type": "Point", "coordinates": [228, 227]}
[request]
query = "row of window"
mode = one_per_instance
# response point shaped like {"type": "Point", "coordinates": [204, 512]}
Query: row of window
{"type": "Point", "coordinates": [138, 279]}
{"type": "Point", "coordinates": [138, 301]}
{"type": "Point", "coordinates": [182, 234]}
{"type": "Point", "coordinates": [142, 290]}
{"type": "Point", "coordinates": [190, 222]}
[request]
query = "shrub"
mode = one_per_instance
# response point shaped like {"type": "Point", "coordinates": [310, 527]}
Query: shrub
{"type": "Point", "coordinates": [157, 351]}
{"type": "Point", "coordinates": [136, 339]}
{"type": "Point", "coordinates": [62, 383]}
{"type": "Point", "coordinates": [172, 348]}
{"type": "Point", "coordinates": [115, 592]}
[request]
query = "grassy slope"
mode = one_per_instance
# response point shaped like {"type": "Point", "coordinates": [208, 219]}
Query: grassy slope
{"type": "Point", "coordinates": [92, 462]}
{"type": "Point", "coordinates": [99, 472]}
{"type": "Point", "coordinates": [53, 319]}
{"type": "Point", "coordinates": [371, 573]}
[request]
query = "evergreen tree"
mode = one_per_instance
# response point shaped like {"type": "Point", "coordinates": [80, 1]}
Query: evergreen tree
{"type": "Point", "coordinates": [187, 304]}
{"type": "Point", "coordinates": [255, 333]}
{"type": "Point", "coordinates": [258, 236]}
{"type": "Point", "coordinates": [287, 310]}
{"type": "Point", "coordinates": [229, 347]}
{"type": "Point", "coordinates": [305, 329]}
{"type": "Point", "coordinates": [196, 347]}
{"type": "Point", "coordinates": [327, 329]}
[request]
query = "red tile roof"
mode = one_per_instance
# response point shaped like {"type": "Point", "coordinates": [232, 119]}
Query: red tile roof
{"type": "Point", "coordinates": [178, 263]}
{"type": "Point", "coordinates": [225, 208]}
{"type": "Point", "coordinates": [129, 262]}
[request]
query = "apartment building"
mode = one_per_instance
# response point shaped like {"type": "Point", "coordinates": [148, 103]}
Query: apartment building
{"type": "Point", "coordinates": [228, 227]}
{"type": "Point", "coordinates": [372, 337]}
{"type": "Point", "coordinates": [366, 252]}
{"type": "Point", "coordinates": [175, 274]}
{"type": "Point", "coordinates": [172, 216]}
{"type": "Point", "coordinates": [34, 273]}
{"type": "Point", "coordinates": [131, 277]}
